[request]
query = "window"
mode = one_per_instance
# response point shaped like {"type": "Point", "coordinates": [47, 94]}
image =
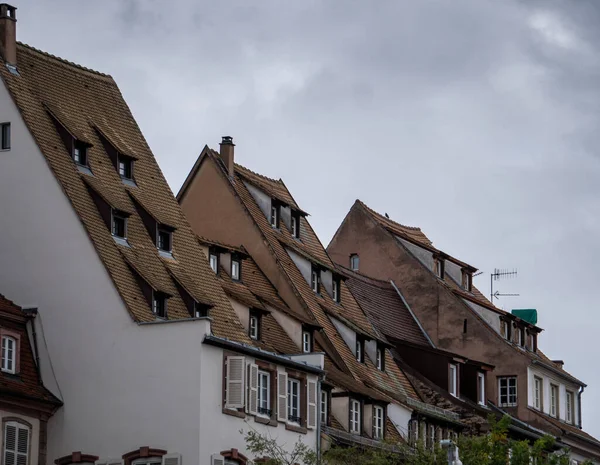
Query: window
{"type": "Point", "coordinates": [254, 326]}
{"type": "Point", "coordinates": [480, 388]}
{"type": "Point", "coordinates": [315, 279]}
{"type": "Point", "coordinates": [378, 421]}
{"type": "Point", "coordinates": [295, 225]}
{"type": "Point", "coordinates": [538, 392]}
{"type": "Point", "coordinates": [164, 240]}
{"type": "Point", "coordinates": [5, 127]}
{"type": "Point", "coordinates": [453, 380]}
{"type": "Point", "coordinates": [16, 443]}
{"type": "Point", "coordinates": [119, 225]}
{"type": "Point", "coordinates": [213, 258]}
{"type": "Point", "coordinates": [359, 350]}
{"type": "Point", "coordinates": [264, 393]}
{"type": "Point", "coordinates": [159, 304]}
{"type": "Point", "coordinates": [521, 337]}
{"type": "Point", "coordinates": [125, 165]}
{"type": "Point", "coordinates": [554, 400]}
{"type": "Point", "coordinates": [306, 342]}
{"type": "Point", "coordinates": [9, 354]}
{"type": "Point", "coordinates": [235, 268]}
{"type": "Point", "coordinates": [200, 310]}
{"type": "Point", "coordinates": [355, 416]}
{"type": "Point", "coordinates": [413, 431]}
{"type": "Point", "coordinates": [505, 331]}
{"type": "Point", "coordinates": [570, 407]}
{"type": "Point", "coordinates": [532, 342]}
{"type": "Point", "coordinates": [380, 359]}
{"type": "Point", "coordinates": [430, 438]}
{"type": "Point", "coordinates": [335, 290]}
{"type": "Point", "coordinates": [274, 214]}
{"type": "Point", "coordinates": [80, 153]}
{"type": "Point", "coordinates": [324, 400]}
{"type": "Point", "coordinates": [293, 400]}
{"type": "Point", "coordinates": [467, 279]}
{"type": "Point", "coordinates": [354, 262]}
{"type": "Point", "coordinates": [508, 391]}
{"type": "Point", "coordinates": [438, 266]}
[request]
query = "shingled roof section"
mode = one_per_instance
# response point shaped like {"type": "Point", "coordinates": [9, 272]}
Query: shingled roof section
{"type": "Point", "coordinates": [27, 383]}
{"type": "Point", "coordinates": [385, 307]}
{"type": "Point", "coordinates": [87, 100]}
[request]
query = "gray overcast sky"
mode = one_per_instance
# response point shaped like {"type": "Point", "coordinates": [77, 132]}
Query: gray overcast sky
{"type": "Point", "coordinates": [476, 120]}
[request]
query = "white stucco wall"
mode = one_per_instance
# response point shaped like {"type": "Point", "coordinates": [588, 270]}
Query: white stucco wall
{"type": "Point", "coordinates": [423, 255]}
{"type": "Point", "coordinates": [348, 335]}
{"type": "Point", "coordinates": [262, 199]}
{"type": "Point", "coordinates": [123, 385]}
{"type": "Point", "coordinates": [400, 416]}
{"type": "Point", "coordinates": [549, 378]}
{"type": "Point", "coordinates": [489, 316]}
{"type": "Point", "coordinates": [242, 311]}
{"type": "Point", "coordinates": [339, 409]}
{"type": "Point", "coordinates": [34, 434]}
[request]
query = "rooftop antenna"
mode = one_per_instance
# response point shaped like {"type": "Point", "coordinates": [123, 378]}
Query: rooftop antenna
{"type": "Point", "coordinates": [496, 276]}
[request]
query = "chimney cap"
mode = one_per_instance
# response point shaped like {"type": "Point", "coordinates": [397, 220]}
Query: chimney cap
{"type": "Point", "coordinates": [227, 140]}
{"type": "Point", "coordinates": [8, 11]}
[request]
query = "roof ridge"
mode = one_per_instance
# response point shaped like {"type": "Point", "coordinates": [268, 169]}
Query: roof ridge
{"type": "Point", "coordinates": [62, 60]}
{"type": "Point", "coordinates": [237, 165]}
{"type": "Point", "coordinates": [362, 276]}
{"type": "Point", "coordinates": [412, 228]}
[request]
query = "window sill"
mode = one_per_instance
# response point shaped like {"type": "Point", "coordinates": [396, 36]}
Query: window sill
{"type": "Point", "coordinates": [121, 241]}
{"type": "Point", "coordinates": [166, 254]}
{"type": "Point", "coordinates": [234, 413]}
{"type": "Point", "coordinates": [128, 182]}
{"type": "Point", "coordinates": [84, 169]}
{"type": "Point", "coordinates": [265, 420]}
{"type": "Point", "coordinates": [296, 428]}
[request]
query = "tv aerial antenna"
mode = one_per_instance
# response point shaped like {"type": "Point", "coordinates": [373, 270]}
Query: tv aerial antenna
{"type": "Point", "coordinates": [497, 275]}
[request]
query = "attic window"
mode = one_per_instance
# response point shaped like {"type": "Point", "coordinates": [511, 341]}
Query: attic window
{"type": "Point", "coordinates": [438, 267]}
{"type": "Point", "coordinates": [5, 134]}
{"type": "Point", "coordinates": [80, 153]}
{"type": "Point", "coordinates": [159, 304]}
{"type": "Point", "coordinates": [360, 356]}
{"type": "Point", "coordinates": [354, 262]}
{"type": "Point", "coordinates": [467, 280]}
{"type": "Point", "coordinates": [213, 258]}
{"type": "Point", "coordinates": [164, 239]}
{"type": "Point", "coordinates": [295, 223]}
{"type": "Point", "coordinates": [315, 279]}
{"type": "Point", "coordinates": [200, 310]}
{"type": "Point", "coordinates": [306, 341]}
{"type": "Point", "coordinates": [335, 289]}
{"type": "Point", "coordinates": [235, 268]}
{"type": "Point", "coordinates": [254, 325]}
{"type": "Point", "coordinates": [380, 359]}
{"type": "Point", "coordinates": [453, 380]}
{"type": "Point", "coordinates": [274, 214]}
{"type": "Point", "coordinates": [119, 224]}
{"type": "Point", "coordinates": [125, 165]}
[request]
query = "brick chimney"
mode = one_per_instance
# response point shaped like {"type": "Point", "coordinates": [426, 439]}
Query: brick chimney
{"type": "Point", "coordinates": [227, 149]}
{"type": "Point", "coordinates": [559, 363]}
{"type": "Point", "coordinates": [8, 33]}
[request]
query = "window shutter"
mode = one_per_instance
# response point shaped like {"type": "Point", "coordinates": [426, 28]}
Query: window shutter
{"type": "Point", "coordinates": [10, 445]}
{"type": "Point", "coordinates": [252, 404]}
{"type": "Point", "coordinates": [282, 397]}
{"type": "Point", "coordinates": [235, 382]}
{"type": "Point", "coordinates": [22, 445]}
{"type": "Point", "coordinates": [311, 394]}
{"type": "Point", "coordinates": [217, 459]}
{"type": "Point", "coordinates": [171, 459]}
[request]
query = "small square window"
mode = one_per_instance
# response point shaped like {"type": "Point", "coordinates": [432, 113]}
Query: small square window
{"type": "Point", "coordinates": [159, 304]}
{"type": "Point", "coordinates": [235, 268]}
{"type": "Point", "coordinates": [164, 240]}
{"type": "Point", "coordinates": [200, 310]}
{"type": "Point", "coordinates": [119, 225]}
{"type": "Point", "coordinates": [5, 128]}
{"type": "Point", "coordinates": [125, 167]}
{"type": "Point", "coordinates": [80, 153]}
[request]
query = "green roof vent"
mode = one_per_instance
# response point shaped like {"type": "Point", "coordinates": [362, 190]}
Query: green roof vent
{"type": "Point", "coordinates": [526, 314]}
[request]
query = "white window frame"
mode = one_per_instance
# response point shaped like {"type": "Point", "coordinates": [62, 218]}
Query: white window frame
{"type": "Point", "coordinates": [9, 364]}
{"type": "Point", "coordinates": [18, 426]}
{"type": "Point", "coordinates": [274, 215]}
{"type": "Point", "coordinates": [508, 402]}
{"type": "Point", "coordinates": [324, 400]}
{"type": "Point", "coordinates": [160, 246]}
{"type": "Point", "coordinates": [378, 422]}
{"type": "Point", "coordinates": [314, 280]}
{"type": "Point", "coordinates": [379, 359]}
{"type": "Point", "coordinates": [264, 377]}
{"type": "Point", "coordinates": [213, 259]}
{"type": "Point", "coordinates": [354, 257]}
{"type": "Point", "coordinates": [294, 224]}
{"type": "Point", "coordinates": [293, 403]}
{"type": "Point", "coordinates": [253, 326]}
{"type": "Point", "coordinates": [235, 269]}
{"type": "Point", "coordinates": [569, 407]}
{"type": "Point", "coordinates": [355, 415]}
{"type": "Point", "coordinates": [113, 214]}
{"type": "Point", "coordinates": [453, 379]}
{"type": "Point", "coordinates": [554, 399]}
{"type": "Point", "coordinates": [481, 385]}
{"type": "Point", "coordinates": [359, 350]}
{"type": "Point", "coordinates": [306, 342]}
{"type": "Point", "coordinates": [537, 392]}
{"type": "Point", "coordinates": [335, 290]}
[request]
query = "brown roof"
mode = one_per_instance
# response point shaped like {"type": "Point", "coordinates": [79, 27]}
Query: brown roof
{"type": "Point", "coordinates": [385, 308]}
{"type": "Point", "coordinates": [559, 428]}
{"type": "Point", "coordinates": [27, 382]}
{"type": "Point", "coordinates": [84, 101]}
{"type": "Point", "coordinates": [391, 381]}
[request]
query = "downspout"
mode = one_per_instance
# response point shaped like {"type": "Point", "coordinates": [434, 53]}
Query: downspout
{"type": "Point", "coordinates": [581, 389]}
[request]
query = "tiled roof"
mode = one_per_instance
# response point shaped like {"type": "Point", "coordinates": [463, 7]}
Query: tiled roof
{"type": "Point", "coordinates": [85, 101]}
{"type": "Point", "coordinates": [27, 382]}
{"type": "Point", "coordinates": [385, 308]}
{"type": "Point", "coordinates": [391, 381]}
{"type": "Point", "coordinates": [559, 428]}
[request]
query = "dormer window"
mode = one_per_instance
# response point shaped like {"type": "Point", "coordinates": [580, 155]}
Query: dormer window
{"type": "Point", "coordinates": [9, 354]}
{"type": "Point", "coordinates": [360, 356]}
{"type": "Point", "coordinates": [254, 325]}
{"type": "Point", "coordinates": [438, 267]}
{"type": "Point", "coordinates": [505, 329]}
{"type": "Point", "coordinates": [306, 341]}
{"type": "Point", "coordinates": [213, 258]}
{"type": "Point", "coordinates": [315, 279]}
{"type": "Point", "coordinates": [354, 262]}
{"type": "Point", "coordinates": [159, 304]}
{"type": "Point", "coordinates": [5, 134]}
{"type": "Point", "coordinates": [164, 239]}
{"type": "Point", "coordinates": [274, 214]}
{"type": "Point", "coordinates": [80, 153]}
{"type": "Point", "coordinates": [295, 223]}
{"type": "Point", "coordinates": [235, 268]}
{"type": "Point", "coordinates": [125, 165]}
{"type": "Point", "coordinates": [119, 225]}
{"type": "Point", "coordinates": [380, 359]}
{"type": "Point", "coordinates": [335, 287]}
{"type": "Point", "coordinates": [453, 380]}
{"type": "Point", "coordinates": [200, 310]}
{"type": "Point", "coordinates": [467, 279]}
